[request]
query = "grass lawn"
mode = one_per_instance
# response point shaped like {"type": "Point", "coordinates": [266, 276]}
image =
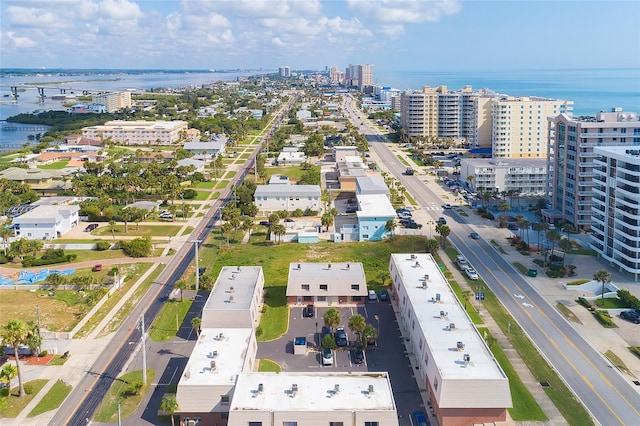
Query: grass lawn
{"type": "Point", "coordinates": [188, 230]}
{"type": "Point", "coordinates": [14, 404]}
{"type": "Point", "coordinates": [244, 156]}
{"type": "Point", "coordinates": [230, 174]}
{"type": "Point", "coordinates": [402, 160]}
{"type": "Point", "coordinates": [294, 172]}
{"type": "Point", "coordinates": [268, 366]}
{"type": "Point", "coordinates": [57, 165]}
{"type": "Point", "coordinates": [164, 327]}
{"type": "Point", "coordinates": [525, 406]}
{"type": "Point", "coordinates": [86, 255]}
{"type": "Point", "coordinates": [128, 305]}
{"type": "Point", "coordinates": [275, 260]}
{"type": "Point", "coordinates": [145, 230]}
{"type": "Point", "coordinates": [618, 363]}
{"type": "Point", "coordinates": [202, 195]}
{"type": "Point", "coordinates": [222, 184]}
{"type": "Point", "coordinates": [52, 399]}
{"type": "Point", "coordinates": [57, 360]}
{"type": "Point", "coordinates": [108, 410]}
{"type": "Point", "coordinates": [610, 303]}
{"type": "Point", "coordinates": [204, 185]}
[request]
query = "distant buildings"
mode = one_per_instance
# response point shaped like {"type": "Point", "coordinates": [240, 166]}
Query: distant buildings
{"type": "Point", "coordinates": [615, 212]}
{"type": "Point", "coordinates": [571, 160]}
{"type": "Point", "coordinates": [46, 222]}
{"type": "Point", "coordinates": [45, 182]}
{"type": "Point", "coordinates": [284, 72]}
{"type": "Point", "coordinates": [138, 132]}
{"type": "Point", "coordinates": [514, 127]}
{"type": "Point", "coordinates": [518, 175]}
{"type": "Point", "coordinates": [113, 101]}
{"type": "Point", "coordinates": [464, 382]}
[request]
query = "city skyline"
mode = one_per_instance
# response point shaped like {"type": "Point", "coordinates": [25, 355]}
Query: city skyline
{"type": "Point", "coordinates": [393, 35]}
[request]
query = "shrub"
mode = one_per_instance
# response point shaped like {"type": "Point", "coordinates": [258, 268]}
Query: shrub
{"type": "Point", "coordinates": [44, 353]}
{"type": "Point", "coordinates": [584, 302]}
{"type": "Point", "coordinates": [258, 331]}
{"type": "Point", "coordinates": [138, 247]}
{"type": "Point", "coordinates": [309, 212]}
{"type": "Point", "coordinates": [3, 259]}
{"type": "Point", "coordinates": [604, 318]}
{"type": "Point", "coordinates": [52, 254]}
{"type": "Point", "coordinates": [554, 274]}
{"type": "Point", "coordinates": [71, 257]}
{"type": "Point", "coordinates": [635, 350]}
{"type": "Point", "coordinates": [28, 388]}
{"type": "Point", "coordinates": [103, 245]}
{"type": "Point", "coordinates": [189, 194]}
{"type": "Point", "coordinates": [629, 299]}
{"type": "Point", "coordinates": [578, 282]}
{"type": "Point", "coordinates": [297, 213]}
{"type": "Point", "coordinates": [31, 261]}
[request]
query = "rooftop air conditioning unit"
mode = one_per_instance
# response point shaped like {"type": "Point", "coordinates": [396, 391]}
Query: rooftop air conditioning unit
{"type": "Point", "coordinates": [370, 388]}
{"type": "Point", "coordinates": [452, 326]}
{"type": "Point", "coordinates": [329, 266]}
{"type": "Point", "coordinates": [336, 388]}
{"type": "Point", "coordinates": [460, 346]}
{"type": "Point", "coordinates": [260, 388]}
{"type": "Point", "coordinates": [424, 285]}
{"type": "Point", "coordinates": [238, 269]}
{"type": "Point", "coordinates": [413, 256]}
{"type": "Point", "coordinates": [213, 366]}
{"type": "Point", "coordinates": [467, 358]}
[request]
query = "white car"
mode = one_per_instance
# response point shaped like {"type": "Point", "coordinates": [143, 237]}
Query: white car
{"type": "Point", "coordinates": [471, 273]}
{"type": "Point", "coordinates": [373, 295]}
{"type": "Point", "coordinates": [327, 356]}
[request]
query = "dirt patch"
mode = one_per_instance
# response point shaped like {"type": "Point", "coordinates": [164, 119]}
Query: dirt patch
{"type": "Point", "coordinates": [41, 360]}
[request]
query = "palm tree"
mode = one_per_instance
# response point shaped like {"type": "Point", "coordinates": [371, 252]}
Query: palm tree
{"type": "Point", "coordinates": [169, 405]}
{"type": "Point", "coordinates": [112, 228]}
{"type": "Point", "coordinates": [331, 318]}
{"type": "Point", "coordinates": [279, 230]}
{"type": "Point", "coordinates": [553, 236]}
{"type": "Point", "coordinates": [431, 246]}
{"type": "Point", "coordinates": [196, 322]}
{"type": "Point", "coordinates": [444, 232]}
{"type": "Point", "coordinates": [390, 226]}
{"type": "Point", "coordinates": [181, 285]}
{"type": "Point", "coordinates": [7, 373]}
{"type": "Point", "coordinates": [186, 208]}
{"type": "Point", "coordinates": [568, 229]}
{"type": "Point", "coordinates": [226, 229]}
{"type": "Point", "coordinates": [126, 216]}
{"type": "Point", "coordinates": [470, 179]}
{"type": "Point", "coordinates": [369, 334]}
{"type": "Point", "coordinates": [5, 233]}
{"type": "Point", "coordinates": [602, 276]}
{"type": "Point", "coordinates": [326, 220]}
{"type": "Point", "coordinates": [466, 295]}
{"type": "Point", "coordinates": [504, 208]}
{"type": "Point", "coordinates": [14, 334]}
{"type": "Point", "coordinates": [540, 227]}
{"type": "Point", "coordinates": [325, 197]}
{"type": "Point", "coordinates": [565, 245]}
{"type": "Point", "coordinates": [357, 324]}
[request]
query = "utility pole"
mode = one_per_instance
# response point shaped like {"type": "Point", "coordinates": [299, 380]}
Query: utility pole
{"type": "Point", "coordinates": [38, 321]}
{"type": "Point", "coordinates": [195, 247]}
{"type": "Point", "coordinates": [119, 417]}
{"type": "Point", "coordinates": [143, 339]}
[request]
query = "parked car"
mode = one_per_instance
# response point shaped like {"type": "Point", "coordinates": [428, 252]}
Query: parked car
{"type": "Point", "coordinates": [408, 208]}
{"type": "Point", "coordinates": [414, 225]}
{"type": "Point", "coordinates": [384, 295]}
{"type": "Point", "coordinates": [471, 273]}
{"type": "Point", "coordinates": [307, 311]}
{"type": "Point", "coordinates": [632, 316]}
{"type": "Point", "coordinates": [357, 356]}
{"type": "Point", "coordinates": [474, 235]}
{"type": "Point", "coordinates": [446, 206]}
{"type": "Point", "coordinates": [289, 220]}
{"type": "Point", "coordinates": [373, 295]}
{"type": "Point", "coordinates": [165, 215]}
{"type": "Point", "coordinates": [512, 227]}
{"type": "Point", "coordinates": [419, 418]}
{"type": "Point", "coordinates": [461, 262]}
{"type": "Point", "coordinates": [327, 356]}
{"type": "Point", "coordinates": [264, 222]}
{"type": "Point", "coordinates": [351, 209]}
{"type": "Point", "coordinates": [97, 267]}
{"type": "Point", "coordinates": [341, 337]}
{"type": "Point", "coordinates": [406, 221]}
{"type": "Point", "coordinates": [442, 221]}
{"type": "Point", "coordinates": [90, 227]}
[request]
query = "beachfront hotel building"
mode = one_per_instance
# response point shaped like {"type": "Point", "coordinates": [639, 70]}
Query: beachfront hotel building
{"type": "Point", "coordinates": [138, 132]}
{"type": "Point", "coordinates": [513, 127]}
{"type": "Point", "coordinates": [615, 212]}
{"type": "Point", "coordinates": [464, 382]}
{"type": "Point", "coordinates": [571, 160]}
{"type": "Point", "coordinates": [113, 101]}
{"type": "Point", "coordinates": [220, 384]}
{"type": "Point", "coordinates": [523, 176]}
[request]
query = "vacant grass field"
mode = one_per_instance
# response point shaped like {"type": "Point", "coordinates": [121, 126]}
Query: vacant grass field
{"type": "Point", "coordinates": [202, 194]}
{"type": "Point", "coordinates": [108, 410]}
{"type": "Point", "coordinates": [57, 165]}
{"type": "Point", "coordinates": [204, 185]}
{"type": "Point", "coordinates": [171, 316]}
{"type": "Point", "coordinates": [294, 172]}
{"type": "Point", "coordinates": [144, 231]}
{"type": "Point", "coordinates": [52, 399]}
{"type": "Point", "coordinates": [14, 404]}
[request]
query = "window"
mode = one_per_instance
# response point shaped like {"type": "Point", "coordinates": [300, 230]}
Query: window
{"type": "Point", "coordinates": [224, 399]}
{"type": "Point", "coordinates": [371, 424]}
{"type": "Point", "coordinates": [255, 423]}
{"type": "Point", "coordinates": [321, 298]}
{"type": "Point", "coordinates": [336, 423]}
{"type": "Point", "coordinates": [324, 287]}
{"type": "Point", "coordinates": [355, 287]}
{"type": "Point", "coordinates": [289, 423]}
{"type": "Point", "coordinates": [305, 287]}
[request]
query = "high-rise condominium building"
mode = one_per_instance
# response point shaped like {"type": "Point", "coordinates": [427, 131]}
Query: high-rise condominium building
{"type": "Point", "coordinates": [284, 72]}
{"type": "Point", "coordinates": [519, 125]}
{"type": "Point", "coordinates": [615, 213]}
{"type": "Point", "coordinates": [570, 160]}
{"type": "Point", "coordinates": [419, 112]}
{"type": "Point", "coordinates": [113, 101]}
{"type": "Point", "coordinates": [365, 77]}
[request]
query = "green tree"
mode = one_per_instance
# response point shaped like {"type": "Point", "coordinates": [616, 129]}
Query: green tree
{"type": "Point", "coordinates": [7, 373]}
{"type": "Point", "coordinates": [196, 322]}
{"type": "Point", "coordinates": [390, 226]}
{"type": "Point", "coordinates": [331, 318]}
{"type": "Point", "coordinates": [56, 280]}
{"type": "Point", "coordinates": [357, 324]}
{"type": "Point", "coordinates": [539, 228]}
{"type": "Point", "coordinates": [169, 405]}
{"type": "Point", "coordinates": [279, 230]}
{"type": "Point", "coordinates": [553, 236]}
{"type": "Point", "coordinates": [369, 334]}
{"type": "Point", "coordinates": [14, 334]}
{"type": "Point", "coordinates": [112, 229]}
{"type": "Point", "coordinates": [126, 216]}
{"type": "Point", "coordinates": [565, 245]}
{"type": "Point", "coordinates": [181, 285]}
{"type": "Point", "coordinates": [443, 231]}
{"type": "Point", "coordinates": [326, 220]}
{"type": "Point", "coordinates": [431, 246]}
{"type": "Point", "coordinates": [34, 340]}
{"type": "Point", "coordinates": [603, 277]}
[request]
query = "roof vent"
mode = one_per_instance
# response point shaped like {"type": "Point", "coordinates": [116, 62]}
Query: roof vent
{"type": "Point", "coordinates": [260, 388]}
{"type": "Point", "coordinates": [441, 314]}
{"type": "Point", "coordinates": [426, 277]}
{"type": "Point", "coordinates": [417, 264]}
{"type": "Point", "coordinates": [220, 336]}
{"type": "Point", "coordinates": [233, 276]}
{"type": "Point", "coordinates": [214, 354]}
{"type": "Point", "coordinates": [424, 285]}
{"type": "Point", "coordinates": [370, 388]}
{"type": "Point", "coordinates": [437, 297]}
{"type": "Point", "coordinates": [460, 346]}
{"type": "Point", "coordinates": [336, 388]}
{"type": "Point", "coordinates": [238, 269]}
{"type": "Point", "coordinates": [348, 266]}
{"type": "Point", "coordinates": [467, 359]}
{"type": "Point", "coordinates": [293, 390]}
{"type": "Point", "coordinates": [452, 326]}
{"type": "Point", "coordinates": [413, 257]}
{"type": "Point", "coordinates": [299, 266]}
{"type": "Point", "coordinates": [213, 366]}
{"type": "Point", "coordinates": [329, 266]}
{"type": "Point", "coordinates": [231, 289]}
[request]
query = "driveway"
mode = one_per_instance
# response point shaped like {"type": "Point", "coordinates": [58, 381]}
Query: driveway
{"type": "Point", "coordinates": [389, 354]}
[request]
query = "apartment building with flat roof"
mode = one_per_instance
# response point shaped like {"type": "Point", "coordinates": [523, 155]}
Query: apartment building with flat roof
{"type": "Point", "coordinates": [523, 176]}
{"type": "Point", "coordinates": [464, 382]}
{"type": "Point", "coordinates": [113, 101]}
{"type": "Point", "coordinates": [326, 284]}
{"type": "Point", "coordinates": [571, 160]}
{"type": "Point", "coordinates": [615, 213]}
{"type": "Point", "coordinates": [138, 132]}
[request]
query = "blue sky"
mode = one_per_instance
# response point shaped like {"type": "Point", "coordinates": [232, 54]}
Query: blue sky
{"type": "Point", "coordinates": [420, 35]}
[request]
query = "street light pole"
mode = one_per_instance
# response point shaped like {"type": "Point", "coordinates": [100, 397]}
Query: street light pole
{"type": "Point", "coordinates": [119, 418]}
{"type": "Point", "coordinates": [195, 247]}
{"type": "Point", "coordinates": [144, 350]}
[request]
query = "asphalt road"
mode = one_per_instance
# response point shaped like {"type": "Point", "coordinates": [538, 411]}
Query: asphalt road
{"type": "Point", "coordinates": [84, 400]}
{"type": "Point", "coordinates": [610, 399]}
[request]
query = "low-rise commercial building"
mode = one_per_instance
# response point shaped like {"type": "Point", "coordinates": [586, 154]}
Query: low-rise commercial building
{"type": "Point", "coordinates": [326, 284]}
{"type": "Point", "coordinates": [615, 213]}
{"type": "Point", "coordinates": [465, 383]}
{"type": "Point", "coordinates": [374, 211]}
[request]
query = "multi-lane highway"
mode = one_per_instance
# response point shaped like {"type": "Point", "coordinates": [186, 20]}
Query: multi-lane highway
{"type": "Point", "coordinates": [610, 398]}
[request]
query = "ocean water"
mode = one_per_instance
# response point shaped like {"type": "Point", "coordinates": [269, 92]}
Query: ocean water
{"type": "Point", "coordinates": [592, 90]}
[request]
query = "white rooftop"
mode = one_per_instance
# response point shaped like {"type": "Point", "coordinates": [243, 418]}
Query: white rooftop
{"type": "Point", "coordinates": [435, 327]}
{"type": "Point", "coordinates": [227, 352]}
{"type": "Point", "coordinates": [374, 205]}
{"type": "Point", "coordinates": [316, 391]}
{"type": "Point", "coordinates": [234, 289]}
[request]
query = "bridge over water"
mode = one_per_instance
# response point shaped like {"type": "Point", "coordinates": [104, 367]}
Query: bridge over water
{"type": "Point", "coordinates": [41, 90]}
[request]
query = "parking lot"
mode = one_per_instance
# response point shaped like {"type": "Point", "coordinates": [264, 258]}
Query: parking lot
{"type": "Point", "coordinates": [389, 353]}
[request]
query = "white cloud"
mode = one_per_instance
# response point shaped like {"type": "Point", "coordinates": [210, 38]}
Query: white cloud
{"type": "Point", "coordinates": [404, 11]}
{"type": "Point", "coordinates": [33, 17]}
{"type": "Point", "coordinates": [23, 42]}
{"type": "Point", "coordinates": [120, 10]}
{"type": "Point", "coordinates": [393, 31]}
{"type": "Point", "coordinates": [173, 21]}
